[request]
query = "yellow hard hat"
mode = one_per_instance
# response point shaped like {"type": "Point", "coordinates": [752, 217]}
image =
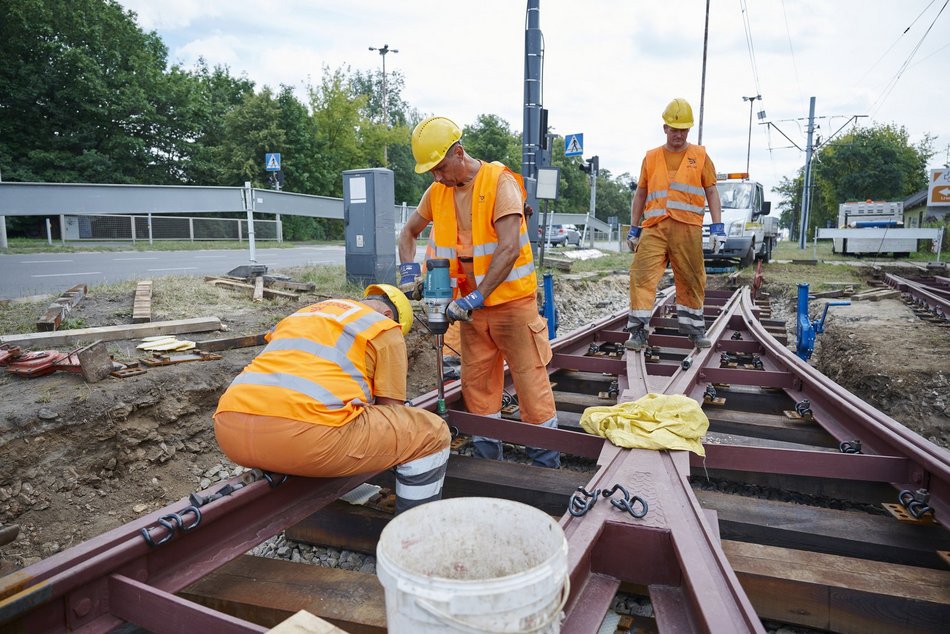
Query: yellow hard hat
{"type": "Point", "coordinates": [431, 139]}
{"type": "Point", "coordinates": [399, 301]}
{"type": "Point", "coordinates": [678, 114]}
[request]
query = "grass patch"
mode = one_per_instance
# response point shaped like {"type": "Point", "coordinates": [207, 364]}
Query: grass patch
{"type": "Point", "coordinates": [20, 317]}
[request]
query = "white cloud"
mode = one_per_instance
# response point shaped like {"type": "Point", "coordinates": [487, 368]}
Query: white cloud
{"type": "Point", "coordinates": [610, 67]}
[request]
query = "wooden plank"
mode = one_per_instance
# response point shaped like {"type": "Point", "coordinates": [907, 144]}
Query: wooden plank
{"type": "Point", "coordinates": [544, 489]}
{"type": "Point", "coordinates": [575, 402]}
{"type": "Point", "coordinates": [230, 343]}
{"type": "Point", "coordinates": [267, 292]}
{"type": "Point", "coordinates": [342, 525]}
{"type": "Point", "coordinates": [269, 591]}
{"type": "Point", "coordinates": [60, 307]}
{"type": "Point", "coordinates": [840, 594]}
{"type": "Point", "coordinates": [875, 295]}
{"type": "Point", "coordinates": [291, 285]}
{"type": "Point", "coordinates": [142, 304]}
{"type": "Point", "coordinates": [305, 623]}
{"type": "Point", "coordinates": [258, 295]}
{"type": "Point", "coordinates": [768, 426]}
{"type": "Point", "coordinates": [822, 530]}
{"type": "Point", "coordinates": [114, 333]}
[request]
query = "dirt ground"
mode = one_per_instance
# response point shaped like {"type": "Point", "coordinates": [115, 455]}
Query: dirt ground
{"type": "Point", "coordinates": [80, 459]}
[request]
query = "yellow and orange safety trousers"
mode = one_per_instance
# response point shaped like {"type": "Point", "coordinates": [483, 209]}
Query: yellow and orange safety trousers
{"type": "Point", "coordinates": [681, 245]}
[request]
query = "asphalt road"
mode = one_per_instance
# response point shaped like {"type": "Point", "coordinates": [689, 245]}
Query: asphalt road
{"type": "Point", "coordinates": [53, 273]}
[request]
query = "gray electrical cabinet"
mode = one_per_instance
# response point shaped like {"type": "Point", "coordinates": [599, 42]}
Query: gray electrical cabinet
{"type": "Point", "coordinates": [369, 220]}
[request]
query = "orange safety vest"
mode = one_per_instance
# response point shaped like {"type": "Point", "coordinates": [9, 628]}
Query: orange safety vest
{"type": "Point", "coordinates": [681, 197]}
{"type": "Point", "coordinates": [521, 281]}
{"type": "Point", "coordinates": [314, 366]}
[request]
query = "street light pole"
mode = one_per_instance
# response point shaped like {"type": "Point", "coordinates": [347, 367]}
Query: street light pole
{"type": "Point", "coordinates": [382, 53]}
{"type": "Point", "coordinates": [748, 151]}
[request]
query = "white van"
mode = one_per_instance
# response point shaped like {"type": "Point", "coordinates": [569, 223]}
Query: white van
{"type": "Point", "coordinates": [750, 233]}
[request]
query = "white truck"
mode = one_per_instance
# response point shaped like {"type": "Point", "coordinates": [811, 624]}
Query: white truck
{"type": "Point", "coordinates": [873, 214]}
{"type": "Point", "coordinates": [750, 232]}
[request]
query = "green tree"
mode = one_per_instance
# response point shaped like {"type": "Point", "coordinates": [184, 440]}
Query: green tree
{"type": "Point", "coordinates": [877, 163]}
{"type": "Point", "coordinates": [490, 139]}
{"type": "Point", "coordinates": [216, 93]}
{"type": "Point", "coordinates": [78, 88]}
{"type": "Point", "coordinates": [790, 203]}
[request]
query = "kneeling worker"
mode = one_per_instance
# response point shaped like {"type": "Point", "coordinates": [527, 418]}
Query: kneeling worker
{"type": "Point", "coordinates": [326, 398]}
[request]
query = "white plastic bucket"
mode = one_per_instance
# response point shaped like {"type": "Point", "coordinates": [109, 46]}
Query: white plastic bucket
{"type": "Point", "coordinates": [473, 565]}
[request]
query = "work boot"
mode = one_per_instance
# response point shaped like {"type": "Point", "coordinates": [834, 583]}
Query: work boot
{"type": "Point", "coordinates": [700, 341]}
{"type": "Point", "coordinates": [637, 340]}
{"type": "Point", "coordinates": [487, 448]}
{"type": "Point", "coordinates": [548, 458]}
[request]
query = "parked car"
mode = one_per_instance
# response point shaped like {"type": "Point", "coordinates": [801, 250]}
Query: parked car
{"type": "Point", "coordinates": [560, 235]}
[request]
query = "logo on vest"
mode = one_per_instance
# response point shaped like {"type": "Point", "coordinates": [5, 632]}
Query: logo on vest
{"type": "Point", "coordinates": [692, 162]}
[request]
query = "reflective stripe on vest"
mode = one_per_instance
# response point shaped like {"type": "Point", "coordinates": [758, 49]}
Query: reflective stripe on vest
{"type": "Point", "coordinates": [521, 280]}
{"type": "Point", "coordinates": [314, 366]}
{"type": "Point", "coordinates": [682, 198]}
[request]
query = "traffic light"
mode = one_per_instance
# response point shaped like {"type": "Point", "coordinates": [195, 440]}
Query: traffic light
{"type": "Point", "coordinates": [591, 165]}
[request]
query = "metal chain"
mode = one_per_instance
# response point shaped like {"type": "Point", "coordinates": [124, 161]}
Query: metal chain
{"type": "Point", "coordinates": [580, 504]}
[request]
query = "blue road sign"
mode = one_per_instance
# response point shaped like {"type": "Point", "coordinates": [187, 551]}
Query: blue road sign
{"type": "Point", "coordinates": [574, 144]}
{"type": "Point", "coordinates": [272, 161]}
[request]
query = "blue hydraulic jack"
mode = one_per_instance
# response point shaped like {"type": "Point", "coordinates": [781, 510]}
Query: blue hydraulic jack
{"type": "Point", "coordinates": [548, 309]}
{"type": "Point", "coordinates": [808, 328]}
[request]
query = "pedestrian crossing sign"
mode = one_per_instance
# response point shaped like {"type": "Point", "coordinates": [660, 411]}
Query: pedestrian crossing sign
{"type": "Point", "coordinates": [272, 161]}
{"type": "Point", "coordinates": [574, 144]}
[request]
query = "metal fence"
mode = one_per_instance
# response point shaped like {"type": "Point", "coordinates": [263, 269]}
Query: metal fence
{"type": "Point", "coordinates": [150, 227]}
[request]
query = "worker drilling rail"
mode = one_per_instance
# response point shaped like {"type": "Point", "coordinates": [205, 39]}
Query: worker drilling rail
{"type": "Point", "coordinates": [807, 506]}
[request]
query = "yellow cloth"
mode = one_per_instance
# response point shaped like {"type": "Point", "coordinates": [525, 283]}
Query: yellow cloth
{"type": "Point", "coordinates": [655, 421]}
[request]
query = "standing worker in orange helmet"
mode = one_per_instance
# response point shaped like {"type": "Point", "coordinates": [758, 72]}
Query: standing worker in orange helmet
{"type": "Point", "coordinates": [477, 215]}
{"type": "Point", "coordinates": [326, 398]}
{"type": "Point", "coordinates": [676, 179]}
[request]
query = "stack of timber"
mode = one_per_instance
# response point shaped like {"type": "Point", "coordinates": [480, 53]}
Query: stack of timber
{"type": "Point", "coordinates": [60, 307]}
{"type": "Point", "coordinates": [142, 306]}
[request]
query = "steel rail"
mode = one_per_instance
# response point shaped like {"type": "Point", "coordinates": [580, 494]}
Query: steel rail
{"type": "Point", "coordinates": [673, 549]}
{"type": "Point", "coordinates": [934, 298]}
{"type": "Point", "coordinates": [96, 585]}
{"type": "Point", "coordinates": [846, 417]}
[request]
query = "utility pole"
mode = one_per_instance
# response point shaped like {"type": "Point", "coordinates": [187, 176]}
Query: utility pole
{"type": "Point", "coordinates": [806, 190]}
{"type": "Point", "coordinates": [702, 90]}
{"type": "Point", "coordinates": [748, 151]}
{"type": "Point", "coordinates": [382, 53]}
{"type": "Point", "coordinates": [531, 130]}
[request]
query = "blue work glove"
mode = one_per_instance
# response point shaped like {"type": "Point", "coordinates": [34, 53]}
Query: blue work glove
{"type": "Point", "coordinates": [717, 233]}
{"type": "Point", "coordinates": [461, 309]}
{"type": "Point", "coordinates": [410, 281]}
{"type": "Point", "coordinates": [633, 237]}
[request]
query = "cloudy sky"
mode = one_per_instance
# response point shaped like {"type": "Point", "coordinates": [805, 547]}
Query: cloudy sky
{"type": "Point", "coordinates": [610, 66]}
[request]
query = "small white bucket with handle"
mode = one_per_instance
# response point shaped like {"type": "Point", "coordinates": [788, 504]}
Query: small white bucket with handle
{"type": "Point", "coordinates": [473, 565]}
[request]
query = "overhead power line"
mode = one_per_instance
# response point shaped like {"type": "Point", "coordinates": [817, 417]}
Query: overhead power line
{"type": "Point", "coordinates": [788, 34]}
{"type": "Point", "coordinates": [879, 102]}
{"type": "Point", "coordinates": [899, 37]}
{"type": "Point", "coordinates": [748, 37]}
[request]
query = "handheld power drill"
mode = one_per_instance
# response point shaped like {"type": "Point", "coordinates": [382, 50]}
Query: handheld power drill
{"type": "Point", "coordinates": [436, 296]}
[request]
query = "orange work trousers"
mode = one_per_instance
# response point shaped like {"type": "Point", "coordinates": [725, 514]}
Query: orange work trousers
{"type": "Point", "coordinates": [680, 244]}
{"type": "Point", "coordinates": [452, 341]}
{"type": "Point", "coordinates": [380, 437]}
{"type": "Point", "coordinates": [516, 333]}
